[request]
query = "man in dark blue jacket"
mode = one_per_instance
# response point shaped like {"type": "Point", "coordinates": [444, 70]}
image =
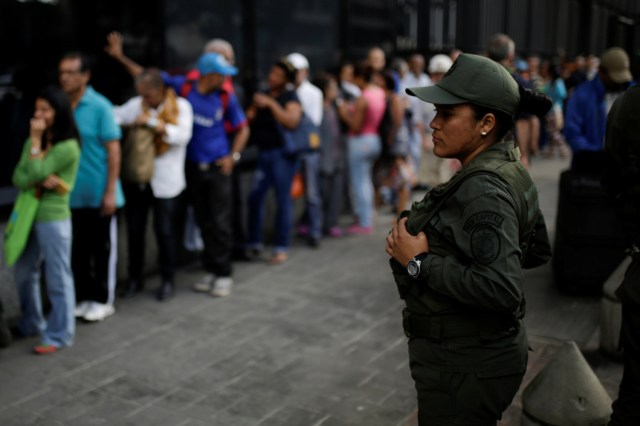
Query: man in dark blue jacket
{"type": "Point", "coordinates": [586, 114]}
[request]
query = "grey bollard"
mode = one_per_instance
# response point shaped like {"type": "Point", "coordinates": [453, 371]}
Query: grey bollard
{"type": "Point", "coordinates": [611, 319]}
{"type": "Point", "coordinates": [566, 392]}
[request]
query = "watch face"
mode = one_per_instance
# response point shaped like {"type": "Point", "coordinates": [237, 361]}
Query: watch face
{"type": "Point", "coordinates": [412, 268]}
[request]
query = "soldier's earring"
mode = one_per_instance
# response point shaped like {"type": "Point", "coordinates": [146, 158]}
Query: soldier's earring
{"type": "Point", "coordinates": [483, 133]}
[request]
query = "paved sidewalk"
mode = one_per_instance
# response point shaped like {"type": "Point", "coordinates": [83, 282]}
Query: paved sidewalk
{"type": "Point", "coordinates": [315, 341]}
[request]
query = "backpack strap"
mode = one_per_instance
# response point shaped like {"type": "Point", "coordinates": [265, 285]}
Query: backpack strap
{"type": "Point", "coordinates": [191, 77]}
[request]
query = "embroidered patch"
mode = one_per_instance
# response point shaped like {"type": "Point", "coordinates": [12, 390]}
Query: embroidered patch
{"type": "Point", "coordinates": [485, 244]}
{"type": "Point", "coordinates": [483, 218]}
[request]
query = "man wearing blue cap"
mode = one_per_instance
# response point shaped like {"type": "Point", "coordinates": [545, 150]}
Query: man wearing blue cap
{"type": "Point", "coordinates": [210, 159]}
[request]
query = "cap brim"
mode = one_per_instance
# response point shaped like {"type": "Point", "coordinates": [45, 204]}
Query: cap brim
{"type": "Point", "coordinates": [222, 71]}
{"type": "Point", "coordinates": [623, 76]}
{"type": "Point", "coordinates": [435, 95]}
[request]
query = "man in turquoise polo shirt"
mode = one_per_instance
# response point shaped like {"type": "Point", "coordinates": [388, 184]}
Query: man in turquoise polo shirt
{"type": "Point", "coordinates": [97, 193]}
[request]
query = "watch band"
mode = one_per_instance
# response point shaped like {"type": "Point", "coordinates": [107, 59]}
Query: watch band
{"type": "Point", "coordinates": [414, 267]}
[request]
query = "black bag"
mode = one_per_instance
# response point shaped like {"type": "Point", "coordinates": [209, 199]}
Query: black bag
{"type": "Point", "coordinates": [304, 138]}
{"type": "Point", "coordinates": [589, 237]}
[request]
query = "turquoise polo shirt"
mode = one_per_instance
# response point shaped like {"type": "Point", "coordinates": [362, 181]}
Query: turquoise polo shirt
{"type": "Point", "coordinates": [97, 126]}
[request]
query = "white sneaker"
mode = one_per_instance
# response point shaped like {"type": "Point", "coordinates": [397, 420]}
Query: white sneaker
{"type": "Point", "coordinates": [204, 284]}
{"type": "Point", "coordinates": [99, 312]}
{"type": "Point", "coordinates": [82, 308]}
{"type": "Point", "coordinates": [222, 287]}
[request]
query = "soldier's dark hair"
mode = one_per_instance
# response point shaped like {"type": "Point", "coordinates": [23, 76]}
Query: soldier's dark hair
{"type": "Point", "coordinates": [85, 62]}
{"type": "Point", "coordinates": [64, 125]}
{"type": "Point", "coordinates": [530, 102]}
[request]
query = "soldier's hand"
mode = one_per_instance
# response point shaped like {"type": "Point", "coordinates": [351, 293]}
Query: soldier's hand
{"type": "Point", "coordinates": [403, 246]}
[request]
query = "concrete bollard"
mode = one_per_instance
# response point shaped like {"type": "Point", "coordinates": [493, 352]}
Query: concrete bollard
{"type": "Point", "coordinates": [611, 319]}
{"type": "Point", "coordinates": [566, 392]}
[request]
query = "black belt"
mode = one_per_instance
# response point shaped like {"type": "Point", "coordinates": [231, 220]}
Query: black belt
{"type": "Point", "coordinates": [438, 327]}
{"type": "Point", "coordinates": [204, 167]}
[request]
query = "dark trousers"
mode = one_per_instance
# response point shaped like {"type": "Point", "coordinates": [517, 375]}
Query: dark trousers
{"type": "Point", "coordinates": [452, 399]}
{"type": "Point", "coordinates": [210, 193]}
{"type": "Point", "coordinates": [310, 169]}
{"type": "Point", "coordinates": [139, 200]}
{"type": "Point", "coordinates": [332, 189]}
{"type": "Point", "coordinates": [626, 409]}
{"type": "Point", "coordinates": [275, 169]}
{"type": "Point", "coordinates": [93, 255]}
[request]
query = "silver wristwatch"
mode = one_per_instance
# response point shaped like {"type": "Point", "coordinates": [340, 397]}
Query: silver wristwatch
{"type": "Point", "coordinates": [413, 267]}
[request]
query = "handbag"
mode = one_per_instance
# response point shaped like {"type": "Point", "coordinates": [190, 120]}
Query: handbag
{"type": "Point", "coordinates": [138, 155]}
{"type": "Point", "coordinates": [16, 233]}
{"type": "Point", "coordinates": [304, 138]}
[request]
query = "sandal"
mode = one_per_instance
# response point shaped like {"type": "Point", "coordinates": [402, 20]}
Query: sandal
{"type": "Point", "coordinates": [278, 258]}
{"type": "Point", "coordinates": [44, 349]}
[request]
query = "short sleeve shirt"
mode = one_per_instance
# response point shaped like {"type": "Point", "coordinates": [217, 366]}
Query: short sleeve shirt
{"type": "Point", "coordinates": [97, 126]}
{"type": "Point", "coordinates": [209, 140]}
{"type": "Point", "coordinates": [264, 128]}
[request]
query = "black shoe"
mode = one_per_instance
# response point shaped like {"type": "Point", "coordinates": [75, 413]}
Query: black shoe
{"type": "Point", "coordinates": [132, 289]}
{"type": "Point", "coordinates": [5, 334]}
{"type": "Point", "coordinates": [165, 292]}
{"type": "Point", "coordinates": [313, 242]}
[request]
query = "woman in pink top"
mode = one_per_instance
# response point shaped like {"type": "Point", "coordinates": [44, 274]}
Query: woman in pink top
{"type": "Point", "coordinates": [363, 118]}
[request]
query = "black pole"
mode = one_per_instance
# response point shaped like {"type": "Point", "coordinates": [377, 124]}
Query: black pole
{"type": "Point", "coordinates": [250, 58]}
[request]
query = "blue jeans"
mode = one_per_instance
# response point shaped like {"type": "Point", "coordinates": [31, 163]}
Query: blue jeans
{"type": "Point", "coordinates": [363, 151]}
{"type": "Point", "coordinates": [275, 170]}
{"type": "Point", "coordinates": [50, 241]}
{"type": "Point", "coordinates": [312, 196]}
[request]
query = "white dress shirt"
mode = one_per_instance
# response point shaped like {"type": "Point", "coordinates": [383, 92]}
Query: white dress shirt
{"type": "Point", "coordinates": [422, 111]}
{"type": "Point", "coordinates": [311, 100]}
{"type": "Point", "coordinates": [168, 179]}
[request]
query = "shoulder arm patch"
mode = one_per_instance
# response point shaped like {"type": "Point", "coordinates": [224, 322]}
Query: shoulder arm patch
{"type": "Point", "coordinates": [484, 238]}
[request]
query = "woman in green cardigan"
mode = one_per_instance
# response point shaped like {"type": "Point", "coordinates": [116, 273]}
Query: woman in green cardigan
{"type": "Point", "coordinates": [49, 163]}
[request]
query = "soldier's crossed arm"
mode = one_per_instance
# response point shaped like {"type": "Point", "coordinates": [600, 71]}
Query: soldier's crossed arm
{"type": "Point", "coordinates": [482, 223]}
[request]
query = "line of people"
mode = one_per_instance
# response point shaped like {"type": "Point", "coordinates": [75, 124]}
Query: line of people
{"type": "Point", "coordinates": [84, 157]}
{"type": "Point", "coordinates": [186, 133]}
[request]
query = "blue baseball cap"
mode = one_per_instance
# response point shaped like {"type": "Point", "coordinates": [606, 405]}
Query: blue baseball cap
{"type": "Point", "coordinates": [211, 63]}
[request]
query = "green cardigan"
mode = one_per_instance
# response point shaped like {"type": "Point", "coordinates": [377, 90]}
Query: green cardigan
{"type": "Point", "coordinates": [61, 160]}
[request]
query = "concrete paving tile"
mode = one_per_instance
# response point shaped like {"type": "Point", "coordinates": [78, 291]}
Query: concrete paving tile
{"type": "Point", "coordinates": [289, 415]}
{"type": "Point", "coordinates": [132, 389]}
{"type": "Point", "coordinates": [16, 388]}
{"type": "Point", "coordinates": [214, 402]}
{"type": "Point", "coordinates": [14, 416]}
{"type": "Point", "coordinates": [75, 406]}
{"type": "Point", "coordinates": [180, 399]}
{"type": "Point", "coordinates": [110, 410]}
{"type": "Point", "coordinates": [155, 416]}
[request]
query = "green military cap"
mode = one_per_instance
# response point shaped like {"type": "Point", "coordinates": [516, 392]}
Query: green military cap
{"type": "Point", "coordinates": [473, 79]}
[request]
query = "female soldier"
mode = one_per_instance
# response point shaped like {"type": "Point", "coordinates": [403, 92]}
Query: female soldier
{"type": "Point", "coordinates": [458, 255]}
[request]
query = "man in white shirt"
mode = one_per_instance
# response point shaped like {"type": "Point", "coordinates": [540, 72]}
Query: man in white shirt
{"type": "Point", "coordinates": [434, 170]}
{"type": "Point", "coordinates": [420, 116]}
{"type": "Point", "coordinates": [170, 118]}
{"type": "Point", "coordinates": [311, 99]}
